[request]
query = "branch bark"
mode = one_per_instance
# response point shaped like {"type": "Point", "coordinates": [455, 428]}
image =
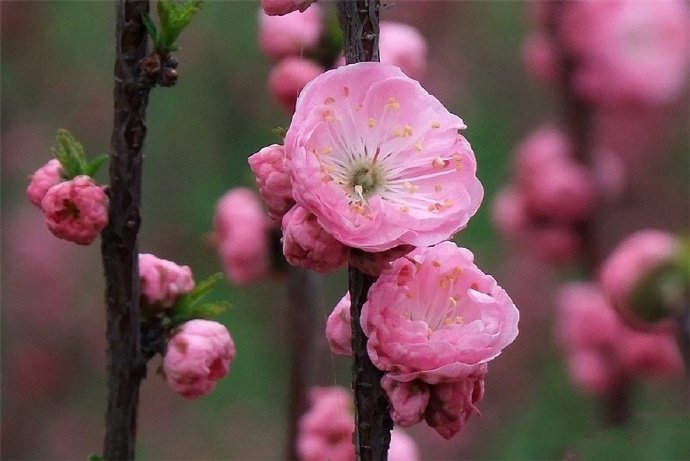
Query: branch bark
{"type": "Point", "coordinates": [126, 365]}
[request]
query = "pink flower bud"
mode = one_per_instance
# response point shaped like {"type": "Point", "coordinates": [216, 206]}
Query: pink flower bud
{"type": "Point", "coordinates": [288, 77]}
{"type": "Point", "coordinates": [273, 178]}
{"type": "Point", "coordinates": [241, 235]}
{"type": "Point", "coordinates": [292, 34]}
{"type": "Point", "coordinates": [325, 430]}
{"type": "Point", "coordinates": [42, 180]}
{"type": "Point", "coordinates": [281, 7]}
{"type": "Point", "coordinates": [76, 210]}
{"type": "Point", "coordinates": [542, 148]}
{"type": "Point", "coordinates": [374, 263]}
{"type": "Point", "coordinates": [539, 58]}
{"type": "Point", "coordinates": [339, 328]}
{"type": "Point", "coordinates": [408, 400]}
{"type": "Point", "coordinates": [197, 357]}
{"type": "Point", "coordinates": [403, 46]}
{"type": "Point", "coordinates": [307, 244]}
{"type": "Point", "coordinates": [634, 259]}
{"type": "Point", "coordinates": [162, 281]}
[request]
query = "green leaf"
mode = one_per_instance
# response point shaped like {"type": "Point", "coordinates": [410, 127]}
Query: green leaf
{"type": "Point", "coordinates": [174, 17]}
{"type": "Point", "coordinates": [280, 132]}
{"type": "Point", "coordinates": [93, 166]}
{"type": "Point", "coordinates": [150, 27]}
{"type": "Point", "coordinates": [189, 306]}
{"type": "Point", "coordinates": [70, 154]}
{"type": "Point", "coordinates": [94, 457]}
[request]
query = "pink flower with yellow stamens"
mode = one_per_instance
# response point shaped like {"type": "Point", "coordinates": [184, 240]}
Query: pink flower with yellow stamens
{"type": "Point", "coordinates": [379, 161]}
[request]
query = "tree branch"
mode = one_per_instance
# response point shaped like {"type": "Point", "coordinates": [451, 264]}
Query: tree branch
{"type": "Point", "coordinates": [126, 365]}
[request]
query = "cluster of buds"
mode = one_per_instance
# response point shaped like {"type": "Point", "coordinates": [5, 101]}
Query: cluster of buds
{"type": "Point", "coordinates": [303, 44]}
{"type": "Point", "coordinates": [74, 205]}
{"type": "Point", "coordinates": [196, 352]}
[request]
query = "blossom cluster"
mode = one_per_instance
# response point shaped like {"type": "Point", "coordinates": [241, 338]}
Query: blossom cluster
{"type": "Point", "coordinates": [295, 35]}
{"type": "Point", "coordinates": [325, 430]}
{"type": "Point", "coordinates": [75, 209]}
{"type": "Point", "coordinates": [197, 352]}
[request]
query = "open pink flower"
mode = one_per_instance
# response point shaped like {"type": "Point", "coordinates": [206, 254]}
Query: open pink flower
{"type": "Point", "coordinates": [273, 178]}
{"type": "Point", "coordinates": [42, 180]}
{"type": "Point", "coordinates": [306, 244]}
{"type": "Point", "coordinates": [241, 235]}
{"type": "Point", "coordinates": [291, 34]}
{"type": "Point", "coordinates": [197, 357]}
{"type": "Point", "coordinates": [163, 281]}
{"type": "Point", "coordinates": [76, 210]}
{"type": "Point", "coordinates": [379, 161]}
{"type": "Point", "coordinates": [339, 328]}
{"type": "Point", "coordinates": [435, 316]}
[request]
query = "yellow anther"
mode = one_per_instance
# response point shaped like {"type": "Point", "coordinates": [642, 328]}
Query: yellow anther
{"type": "Point", "coordinates": [452, 301]}
{"type": "Point", "coordinates": [327, 150]}
{"type": "Point", "coordinates": [439, 163]}
{"type": "Point", "coordinates": [329, 101]}
{"type": "Point", "coordinates": [435, 125]}
{"type": "Point", "coordinates": [458, 161]}
{"type": "Point", "coordinates": [459, 319]}
{"type": "Point", "coordinates": [371, 123]}
{"type": "Point", "coordinates": [418, 146]}
{"type": "Point", "coordinates": [398, 133]}
{"type": "Point", "coordinates": [392, 103]}
{"type": "Point", "coordinates": [358, 107]}
{"type": "Point", "coordinates": [409, 187]}
{"type": "Point", "coordinates": [438, 187]}
{"type": "Point", "coordinates": [328, 116]}
{"type": "Point", "coordinates": [436, 263]}
{"type": "Point", "coordinates": [404, 209]}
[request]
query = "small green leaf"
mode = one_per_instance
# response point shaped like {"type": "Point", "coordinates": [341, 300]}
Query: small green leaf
{"type": "Point", "coordinates": [189, 306]}
{"type": "Point", "coordinates": [70, 154]}
{"type": "Point", "coordinates": [174, 17]}
{"type": "Point", "coordinates": [93, 166]}
{"type": "Point", "coordinates": [280, 132]}
{"type": "Point", "coordinates": [150, 27]}
{"type": "Point", "coordinates": [94, 457]}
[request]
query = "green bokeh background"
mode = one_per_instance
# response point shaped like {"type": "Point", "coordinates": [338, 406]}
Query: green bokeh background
{"type": "Point", "coordinates": [57, 62]}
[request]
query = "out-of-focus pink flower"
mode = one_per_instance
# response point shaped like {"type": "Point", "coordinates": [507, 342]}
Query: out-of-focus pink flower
{"type": "Point", "coordinates": [42, 180]}
{"type": "Point", "coordinates": [451, 404]}
{"type": "Point", "coordinates": [379, 161]}
{"type": "Point", "coordinates": [325, 430]}
{"type": "Point", "coordinates": [339, 328]}
{"type": "Point", "coordinates": [539, 58]}
{"type": "Point", "coordinates": [76, 210]}
{"type": "Point", "coordinates": [436, 318]}
{"type": "Point", "coordinates": [544, 147]}
{"type": "Point", "coordinates": [633, 259]}
{"type": "Point", "coordinates": [562, 192]}
{"type": "Point", "coordinates": [307, 244]}
{"type": "Point", "coordinates": [273, 178]}
{"type": "Point", "coordinates": [403, 46]}
{"type": "Point", "coordinates": [289, 77]}
{"type": "Point", "coordinates": [163, 281]}
{"type": "Point", "coordinates": [629, 50]}
{"type": "Point", "coordinates": [374, 263]}
{"type": "Point", "coordinates": [241, 235]}
{"type": "Point", "coordinates": [602, 352]}
{"type": "Point", "coordinates": [291, 34]}
{"type": "Point", "coordinates": [197, 357]}
{"type": "Point", "coordinates": [403, 447]}
{"type": "Point", "coordinates": [281, 7]}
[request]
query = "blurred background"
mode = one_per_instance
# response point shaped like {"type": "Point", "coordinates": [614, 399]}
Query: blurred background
{"type": "Point", "coordinates": [57, 65]}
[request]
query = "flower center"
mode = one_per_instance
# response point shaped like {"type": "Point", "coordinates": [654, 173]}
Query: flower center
{"type": "Point", "coordinates": [366, 178]}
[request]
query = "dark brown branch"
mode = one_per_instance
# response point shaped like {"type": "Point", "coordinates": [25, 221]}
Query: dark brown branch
{"type": "Point", "coordinates": [359, 20]}
{"type": "Point", "coordinates": [126, 365]}
{"type": "Point", "coordinates": [303, 295]}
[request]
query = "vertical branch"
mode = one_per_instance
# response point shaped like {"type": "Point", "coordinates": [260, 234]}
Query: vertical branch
{"type": "Point", "coordinates": [359, 20]}
{"type": "Point", "coordinates": [304, 307]}
{"type": "Point", "coordinates": [126, 366]}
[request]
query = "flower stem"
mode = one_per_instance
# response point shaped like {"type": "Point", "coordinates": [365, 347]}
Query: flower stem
{"type": "Point", "coordinates": [126, 366]}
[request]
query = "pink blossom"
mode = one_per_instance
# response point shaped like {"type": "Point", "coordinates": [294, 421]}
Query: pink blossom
{"type": "Point", "coordinates": [602, 352]}
{"type": "Point", "coordinates": [273, 178]}
{"type": "Point", "coordinates": [162, 281]}
{"type": "Point", "coordinates": [435, 316]}
{"type": "Point", "coordinates": [402, 45]}
{"type": "Point", "coordinates": [281, 7]}
{"type": "Point", "coordinates": [403, 447]}
{"type": "Point", "coordinates": [629, 50]}
{"type": "Point", "coordinates": [374, 263]}
{"type": "Point", "coordinates": [379, 161]}
{"type": "Point", "coordinates": [408, 400]}
{"type": "Point", "coordinates": [339, 328]}
{"type": "Point", "coordinates": [76, 210]}
{"type": "Point", "coordinates": [325, 430]}
{"type": "Point", "coordinates": [539, 57]}
{"type": "Point", "coordinates": [241, 235]}
{"type": "Point", "coordinates": [544, 147]}
{"type": "Point", "coordinates": [291, 34]}
{"type": "Point", "coordinates": [42, 180]}
{"type": "Point", "coordinates": [288, 77]}
{"type": "Point", "coordinates": [307, 244]}
{"type": "Point", "coordinates": [197, 357]}
{"type": "Point", "coordinates": [634, 259]}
